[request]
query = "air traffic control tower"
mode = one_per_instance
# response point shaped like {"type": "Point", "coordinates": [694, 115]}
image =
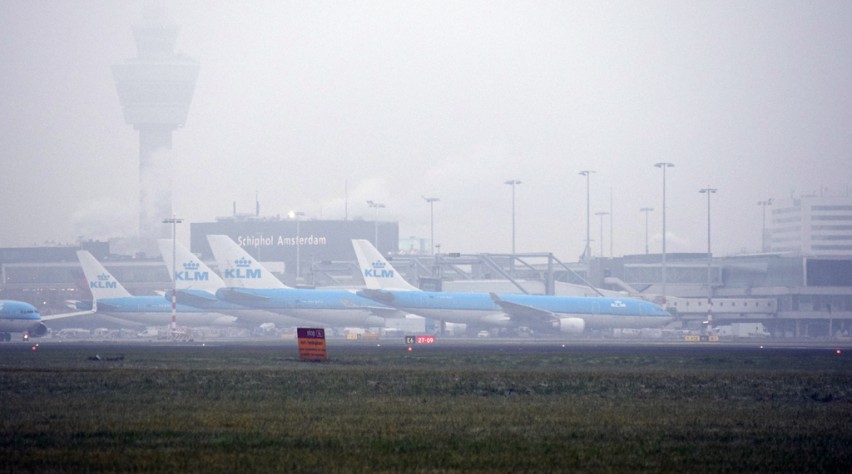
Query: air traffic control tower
{"type": "Point", "coordinates": [155, 89]}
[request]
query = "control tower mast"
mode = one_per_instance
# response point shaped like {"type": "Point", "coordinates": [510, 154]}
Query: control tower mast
{"type": "Point", "coordinates": [155, 89]}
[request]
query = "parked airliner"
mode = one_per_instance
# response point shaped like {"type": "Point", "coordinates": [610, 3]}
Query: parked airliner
{"type": "Point", "coordinates": [250, 284]}
{"type": "Point", "coordinates": [196, 285]}
{"type": "Point", "coordinates": [111, 298]}
{"type": "Point", "coordinates": [19, 316]}
{"type": "Point", "coordinates": [568, 314]}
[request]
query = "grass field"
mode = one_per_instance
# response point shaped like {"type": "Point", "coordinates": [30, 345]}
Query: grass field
{"type": "Point", "coordinates": [484, 408]}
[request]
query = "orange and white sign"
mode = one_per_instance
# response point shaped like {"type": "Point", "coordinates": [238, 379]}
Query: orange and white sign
{"type": "Point", "coordinates": [312, 344]}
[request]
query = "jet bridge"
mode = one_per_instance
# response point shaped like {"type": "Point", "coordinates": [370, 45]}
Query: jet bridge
{"type": "Point", "coordinates": [514, 268]}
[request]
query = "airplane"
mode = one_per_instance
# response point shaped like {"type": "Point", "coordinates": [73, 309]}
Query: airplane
{"type": "Point", "coordinates": [19, 316]}
{"type": "Point", "coordinates": [111, 298]}
{"type": "Point", "coordinates": [567, 314]}
{"type": "Point", "coordinates": [248, 283]}
{"type": "Point", "coordinates": [196, 285]}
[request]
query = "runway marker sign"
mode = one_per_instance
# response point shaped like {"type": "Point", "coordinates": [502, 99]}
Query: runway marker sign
{"type": "Point", "coordinates": [428, 339]}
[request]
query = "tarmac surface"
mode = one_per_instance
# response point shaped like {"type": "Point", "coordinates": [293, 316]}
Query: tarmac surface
{"type": "Point", "coordinates": [449, 344]}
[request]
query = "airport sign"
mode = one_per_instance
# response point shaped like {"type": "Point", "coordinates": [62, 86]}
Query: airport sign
{"type": "Point", "coordinates": [311, 344]}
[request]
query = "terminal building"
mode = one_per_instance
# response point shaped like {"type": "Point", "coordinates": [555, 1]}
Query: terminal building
{"type": "Point", "coordinates": [812, 226]}
{"type": "Point", "coordinates": [801, 287]}
{"type": "Point", "coordinates": [298, 246]}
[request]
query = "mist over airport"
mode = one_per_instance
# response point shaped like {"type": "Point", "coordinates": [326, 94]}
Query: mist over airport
{"type": "Point", "coordinates": [322, 106]}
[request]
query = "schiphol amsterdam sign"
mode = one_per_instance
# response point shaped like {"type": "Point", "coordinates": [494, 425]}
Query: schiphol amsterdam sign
{"type": "Point", "coordinates": [281, 240]}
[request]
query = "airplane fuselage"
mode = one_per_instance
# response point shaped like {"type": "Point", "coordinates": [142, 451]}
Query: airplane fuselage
{"type": "Point", "coordinates": [599, 313]}
{"type": "Point", "coordinates": [482, 309]}
{"type": "Point", "coordinates": [463, 308]}
{"type": "Point", "coordinates": [156, 310]}
{"type": "Point", "coordinates": [334, 308]}
{"type": "Point", "coordinates": [204, 300]}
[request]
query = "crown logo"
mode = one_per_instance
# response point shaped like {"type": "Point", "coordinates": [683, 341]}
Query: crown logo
{"type": "Point", "coordinates": [378, 265]}
{"type": "Point", "coordinates": [242, 262]}
{"type": "Point", "coordinates": [190, 266]}
{"type": "Point", "coordinates": [103, 277]}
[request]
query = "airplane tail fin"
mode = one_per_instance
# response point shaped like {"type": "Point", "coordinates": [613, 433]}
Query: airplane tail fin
{"type": "Point", "coordinates": [238, 268]}
{"type": "Point", "coordinates": [101, 282]}
{"type": "Point", "coordinates": [191, 273]}
{"type": "Point", "coordinates": [377, 272]}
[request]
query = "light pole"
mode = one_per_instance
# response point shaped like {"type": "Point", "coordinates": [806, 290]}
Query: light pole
{"type": "Point", "coordinates": [513, 182]}
{"type": "Point", "coordinates": [376, 206]}
{"type": "Point", "coordinates": [587, 252]}
{"type": "Point", "coordinates": [663, 165]}
{"type": "Point", "coordinates": [431, 201]}
{"type": "Point", "coordinates": [646, 210]}
{"type": "Point", "coordinates": [611, 226]}
{"type": "Point", "coordinates": [174, 221]}
{"type": "Point", "coordinates": [708, 190]}
{"type": "Point", "coordinates": [602, 214]}
{"type": "Point", "coordinates": [763, 246]}
{"type": "Point", "coordinates": [296, 215]}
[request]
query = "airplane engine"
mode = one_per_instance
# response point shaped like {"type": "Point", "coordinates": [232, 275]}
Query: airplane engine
{"type": "Point", "coordinates": [38, 330]}
{"type": "Point", "coordinates": [571, 325]}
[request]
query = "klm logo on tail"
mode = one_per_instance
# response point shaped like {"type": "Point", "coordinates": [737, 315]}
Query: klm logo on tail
{"type": "Point", "coordinates": [103, 282]}
{"type": "Point", "coordinates": [241, 273]}
{"type": "Point", "coordinates": [190, 273]}
{"type": "Point", "coordinates": [378, 271]}
{"type": "Point", "coordinates": [243, 270]}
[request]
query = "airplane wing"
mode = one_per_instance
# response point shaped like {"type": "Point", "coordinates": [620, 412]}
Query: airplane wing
{"type": "Point", "coordinates": [66, 315]}
{"type": "Point", "coordinates": [193, 297]}
{"type": "Point", "coordinates": [238, 296]}
{"type": "Point", "coordinates": [520, 312]}
{"type": "Point", "coordinates": [380, 296]}
{"type": "Point", "coordinates": [383, 311]}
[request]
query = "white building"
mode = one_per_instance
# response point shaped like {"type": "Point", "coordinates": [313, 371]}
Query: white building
{"type": "Point", "coordinates": [812, 226]}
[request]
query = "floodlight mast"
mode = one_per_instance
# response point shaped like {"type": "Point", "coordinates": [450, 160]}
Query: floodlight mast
{"type": "Point", "coordinates": [646, 210]}
{"type": "Point", "coordinates": [663, 165]}
{"type": "Point", "coordinates": [587, 251]}
{"type": "Point", "coordinates": [431, 201]}
{"type": "Point", "coordinates": [174, 221]}
{"type": "Point", "coordinates": [764, 247]}
{"type": "Point", "coordinates": [513, 183]}
{"type": "Point", "coordinates": [602, 214]}
{"type": "Point", "coordinates": [296, 215]}
{"type": "Point", "coordinates": [708, 190]}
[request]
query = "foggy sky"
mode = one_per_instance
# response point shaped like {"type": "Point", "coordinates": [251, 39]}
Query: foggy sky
{"type": "Point", "coordinates": [296, 101]}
